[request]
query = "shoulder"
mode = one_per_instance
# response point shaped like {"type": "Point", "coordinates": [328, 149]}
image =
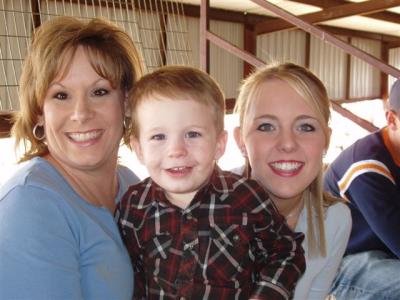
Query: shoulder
{"type": "Point", "coordinates": [140, 194]}
{"type": "Point", "coordinates": [127, 175]}
{"type": "Point", "coordinates": [370, 147]}
{"type": "Point", "coordinates": [126, 178]}
{"type": "Point", "coordinates": [36, 174]}
{"type": "Point", "coordinates": [337, 216]}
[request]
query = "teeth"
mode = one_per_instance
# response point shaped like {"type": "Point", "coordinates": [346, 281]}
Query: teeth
{"type": "Point", "coordinates": [286, 166]}
{"type": "Point", "coordinates": [178, 168]}
{"type": "Point", "coordinates": [83, 137]}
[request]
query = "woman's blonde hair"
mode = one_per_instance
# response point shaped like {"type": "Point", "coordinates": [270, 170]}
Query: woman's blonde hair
{"type": "Point", "coordinates": [313, 91]}
{"type": "Point", "coordinates": [110, 50]}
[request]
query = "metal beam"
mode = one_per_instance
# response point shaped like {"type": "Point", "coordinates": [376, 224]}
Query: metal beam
{"type": "Point", "coordinates": [248, 57]}
{"type": "Point", "coordinates": [356, 119]}
{"type": "Point", "coordinates": [383, 16]}
{"type": "Point", "coordinates": [331, 13]}
{"type": "Point", "coordinates": [204, 43]}
{"type": "Point", "coordinates": [325, 36]}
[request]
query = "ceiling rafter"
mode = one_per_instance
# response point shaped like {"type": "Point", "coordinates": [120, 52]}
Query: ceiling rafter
{"type": "Point", "coordinates": [383, 16]}
{"type": "Point", "coordinates": [331, 13]}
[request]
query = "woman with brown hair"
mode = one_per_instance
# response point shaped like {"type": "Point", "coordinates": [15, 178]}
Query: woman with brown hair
{"type": "Point", "coordinates": [57, 231]}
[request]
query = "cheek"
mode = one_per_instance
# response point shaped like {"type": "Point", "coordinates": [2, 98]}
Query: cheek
{"type": "Point", "coordinates": [257, 149]}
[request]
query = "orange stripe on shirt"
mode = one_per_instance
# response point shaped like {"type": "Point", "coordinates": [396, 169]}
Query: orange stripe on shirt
{"type": "Point", "coordinates": [361, 168]}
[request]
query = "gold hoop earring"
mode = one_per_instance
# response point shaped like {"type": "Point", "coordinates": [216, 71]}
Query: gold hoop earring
{"type": "Point", "coordinates": [126, 123]}
{"type": "Point", "coordinates": [34, 132]}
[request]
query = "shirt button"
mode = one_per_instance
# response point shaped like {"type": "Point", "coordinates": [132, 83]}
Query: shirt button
{"type": "Point", "coordinates": [236, 238]}
{"type": "Point", "coordinates": [189, 216]}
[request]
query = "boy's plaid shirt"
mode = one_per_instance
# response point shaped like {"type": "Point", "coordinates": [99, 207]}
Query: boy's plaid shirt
{"type": "Point", "coordinates": [229, 243]}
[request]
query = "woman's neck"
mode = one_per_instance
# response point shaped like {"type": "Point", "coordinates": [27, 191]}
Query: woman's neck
{"type": "Point", "coordinates": [290, 209]}
{"type": "Point", "coordinates": [97, 187]}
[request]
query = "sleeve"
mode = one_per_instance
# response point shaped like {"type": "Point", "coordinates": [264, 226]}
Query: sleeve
{"type": "Point", "coordinates": [125, 225]}
{"type": "Point", "coordinates": [337, 236]}
{"type": "Point", "coordinates": [377, 198]}
{"type": "Point", "coordinates": [39, 257]}
{"type": "Point", "coordinates": [279, 255]}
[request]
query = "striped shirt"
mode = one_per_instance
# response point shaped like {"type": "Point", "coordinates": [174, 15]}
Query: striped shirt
{"type": "Point", "coordinates": [229, 243]}
{"type": "Point", "coordinates": [368, 175]}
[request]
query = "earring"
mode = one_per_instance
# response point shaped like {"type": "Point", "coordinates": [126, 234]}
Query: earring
{"type": "Point", "coordinates": [126, 123]}
{"type": "Point", "coordinates": [243, 151]}
{"type": "Point", "coordinates": [35, 134]}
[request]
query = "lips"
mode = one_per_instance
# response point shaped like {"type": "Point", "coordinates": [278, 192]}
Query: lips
{"type": "Point", "coordinates": [286, 168]}
{"type": "Point", "coordinates": [82, 137]}
{"type": "Point", "coordinates": [179, 171]}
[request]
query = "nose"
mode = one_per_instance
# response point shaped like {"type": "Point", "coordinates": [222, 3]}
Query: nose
{"type": "Point", "coordinates": [287, 141]}
{"type": "Point", "coordinates": [82, 109]}
{"type": "Point", "coordinates": [177, 147]}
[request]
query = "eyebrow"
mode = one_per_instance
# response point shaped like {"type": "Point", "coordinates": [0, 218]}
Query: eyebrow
{"type": "Point", "coordinates": [273, 117]}
{"type": "Point", "coordinates": [94, 83]}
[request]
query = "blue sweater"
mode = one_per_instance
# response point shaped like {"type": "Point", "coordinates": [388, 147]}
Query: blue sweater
{"type": "Point", "coordinates": [55, 245]}
{"type": "Point", "coordinates": [368, 175]}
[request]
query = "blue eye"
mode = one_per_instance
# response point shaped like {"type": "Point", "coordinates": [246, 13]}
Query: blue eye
{"type": "Point", "coordinates": [193, 134]}
{"type": "Point", "coordinates": [100, 92]}
{"type": "Point", "coordinates": [158, 137]}
{"type": "Point", "coordinates": [266, 127]}
{"type": "Point", "coordinates": [60, 96]}
{"type": "Point", "coordinates": [306, 127]}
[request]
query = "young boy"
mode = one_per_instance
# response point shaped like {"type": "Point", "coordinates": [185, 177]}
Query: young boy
{"type": "Point", "coordinates": [192, 230]}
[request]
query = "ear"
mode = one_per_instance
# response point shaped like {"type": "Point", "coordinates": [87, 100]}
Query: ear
{"type": "Point", "coordinates": [237, 134]}
{"type": "Point", "coordinates": [127, 107]}
{"type": "Point", "coordinates": [135, 145]}
{"type": "Point", "coordinates": [391, 118]}
{"type": "Point", "coordinates": [221, 144]}
{"type": "Point", "coordinates": [328, 138]}
{"type": "Point", "coordinates": [40, 120]}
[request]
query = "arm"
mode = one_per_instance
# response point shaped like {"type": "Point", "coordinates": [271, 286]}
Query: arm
{"type": "Point", "coordinates": [37, 248]}
{"type": "Point", "coordinates": [377, 198]}
{"type": "Point", "coordinates": [336, 236]}
{"type": "Point", "coordinates": [280, 255]}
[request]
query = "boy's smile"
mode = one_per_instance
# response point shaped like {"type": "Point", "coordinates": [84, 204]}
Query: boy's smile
{"type": "Point", "coordinates": [179, 145]}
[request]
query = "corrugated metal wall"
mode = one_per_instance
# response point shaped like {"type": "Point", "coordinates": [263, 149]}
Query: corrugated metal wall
{"type": "Point", "coordinates": [182, 47]}
{"type": "Point", "coordinates": [365, 79]}
{"type": "Point", "coordinates": [282, 46]}
{"type": "Point", "coordinates": [394, 60]}
{"type": "Point", "coordinates": [224, 67]}
{"type": "Point", "coordinates": [328, 62]}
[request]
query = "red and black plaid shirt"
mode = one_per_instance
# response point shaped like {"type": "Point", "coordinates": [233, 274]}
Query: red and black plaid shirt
{"type": "Point", "coordinates": [229, 243]}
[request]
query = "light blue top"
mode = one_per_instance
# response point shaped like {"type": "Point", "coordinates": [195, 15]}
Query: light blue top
{"type": "Point", "coordinates": [55, 245]}
{"type": "Point", "coordinates": [320, 271]}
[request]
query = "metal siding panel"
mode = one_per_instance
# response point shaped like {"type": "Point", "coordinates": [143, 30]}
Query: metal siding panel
{"type": "Point", "coordinates": [282, 46]}
{"type": "Point", "coordinates": [328, 62]}
{"type": "Point", "coordinates": [364, 78]}
{"type": "Point", "coordinates": [225, 68]}
{"type": "Point", "coordinates": [394, 60]}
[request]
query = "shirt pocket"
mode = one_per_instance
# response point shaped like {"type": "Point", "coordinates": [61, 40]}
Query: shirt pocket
{"type": "Point", "coordinates": [228, 253]}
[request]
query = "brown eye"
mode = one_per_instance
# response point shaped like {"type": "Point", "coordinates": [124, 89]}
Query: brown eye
{"type": "Point", "coordinates": [60, 96]}
{"type": "Point", "coordinates": [100, 92]}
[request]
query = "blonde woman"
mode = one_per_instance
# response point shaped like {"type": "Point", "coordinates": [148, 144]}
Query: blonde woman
{"type": "Point", "coordinates": [283, 134]}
